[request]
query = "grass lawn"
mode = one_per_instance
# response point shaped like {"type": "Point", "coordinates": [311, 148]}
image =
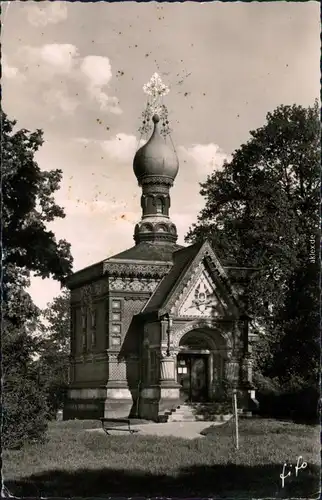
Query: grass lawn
{"type": "Point", "coordinates": [76, 462]}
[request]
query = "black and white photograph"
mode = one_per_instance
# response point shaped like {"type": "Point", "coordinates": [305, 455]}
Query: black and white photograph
{"type": "Point", "coordinates": [161, 249]}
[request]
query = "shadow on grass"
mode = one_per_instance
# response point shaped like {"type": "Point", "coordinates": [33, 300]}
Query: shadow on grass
{"type": "Point", "coordinates": [222, 481]}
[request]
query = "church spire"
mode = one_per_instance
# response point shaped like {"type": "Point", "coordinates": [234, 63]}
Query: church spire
{"type": "Point", "coordinates": [156, 166]}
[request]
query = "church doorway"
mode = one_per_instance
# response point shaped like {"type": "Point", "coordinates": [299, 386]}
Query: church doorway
{"type": "Point", "coordinates": [192, 375]}
{"type": "Point", "coordinates": [200, 365]}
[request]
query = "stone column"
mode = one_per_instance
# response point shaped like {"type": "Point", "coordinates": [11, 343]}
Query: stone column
{"type": "Point", "coordinates": [167, 367]}
{"type": "Point", "coordinates": [169, 387]}
{"type": "Point", "coordinates": [118, 396]}
{"type": "Point", "coordinates": [248, 369]}
{"type": "Point", "coordinates": [248, 393]}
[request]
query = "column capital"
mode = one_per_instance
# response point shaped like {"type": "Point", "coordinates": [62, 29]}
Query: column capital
{"type": "Point", "coordinates": [165, 354]}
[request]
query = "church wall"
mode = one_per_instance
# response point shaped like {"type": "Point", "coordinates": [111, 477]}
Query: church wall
{"type": "Point", "coordinates": [97, 289]}
{"type": "Point", "coordinates": [124, 363]}
{"type": "Point", "coordinates": [101, 340]}
{"type": "Point", "coordinates": [132, 307]}
{"type": "Point", "coordinates": [121, 324]}
{"type": "Point", "coordinates": [84, 409]}
{"type": "Point", "coordinates": [78, 331]}
{"type": "Point", "coordinates": [91, 371]}
{"type": "Point", "coordinates": [95, 341]}
{"type": "Point", "coordinates": [154, 334]}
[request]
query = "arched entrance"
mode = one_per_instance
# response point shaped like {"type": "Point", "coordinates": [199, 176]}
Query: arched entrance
{"type": "Point", "coordinates": [200, 360]}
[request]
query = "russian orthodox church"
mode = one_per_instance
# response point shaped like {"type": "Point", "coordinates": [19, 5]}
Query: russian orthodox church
{"type": "Point", "coordinates": [158, 324]}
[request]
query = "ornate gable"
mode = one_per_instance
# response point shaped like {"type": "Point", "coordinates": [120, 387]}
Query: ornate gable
{"type": "Point", "coordinates": [202, 290]}
{"type": "Point", "coordinates": [200, 298]}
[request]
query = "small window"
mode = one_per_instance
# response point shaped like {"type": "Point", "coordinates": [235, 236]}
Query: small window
{"type": "Point", "coordinates": [84, 320]}
{"type": "Point", "coordinates": [73, 326]}
{"type": "Point", "coordinates": [84, 338]}
{"type": "Point", "coordinates": [116, 328]}
{"type": "Point", "coordinates": [84, 329]}
{"type": "Point", "coordinates": [116, 316]}
{"type": "Point", "coordinates": [94, 317]}
{"type": "Point", "coordinates": [115, 340]}
{"type": "Point", "coordinates": [116, 304]}
{"type": "Point", "coordinates": [159, 204]}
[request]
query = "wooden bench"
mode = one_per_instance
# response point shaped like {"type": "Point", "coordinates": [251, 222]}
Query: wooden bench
{"type": "Point", "coordinates": [126, 421]}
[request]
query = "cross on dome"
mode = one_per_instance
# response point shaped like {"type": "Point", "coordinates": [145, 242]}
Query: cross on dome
{"type": "Point", "coordinates": [155, 87]}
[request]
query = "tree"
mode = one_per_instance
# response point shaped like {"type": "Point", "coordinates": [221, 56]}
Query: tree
{"type": "Point", "coordinates": [262, 211]}
{"type": "Point", "coordinates": [53, 362]}
{"type": "Point", "coordinates": [27, 246]}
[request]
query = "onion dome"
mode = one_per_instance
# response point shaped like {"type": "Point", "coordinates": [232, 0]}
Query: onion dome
{"type": "Point", "coordinates": [156, 159]}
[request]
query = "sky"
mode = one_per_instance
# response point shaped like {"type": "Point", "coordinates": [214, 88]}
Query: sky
{"type": "Point", "coordinates": [76, 70]}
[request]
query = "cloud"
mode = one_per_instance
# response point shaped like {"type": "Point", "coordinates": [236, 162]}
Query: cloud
{"type": "Point", "coordinates": [60, 99]}
{"type": "Point", "coordinates": [60, 56]}
{"type": "Point", "coordinates": [49, 13]}
{"type": "Point", "coordinates": [10, 72]}
{"type": "Point", "coordinates": [98, 71]}
{"type": "Point", "coordinates": [63, 79]}
{"type": "Point", "coordinates": [207, 157]}
{"type": "Point", "coordinates": [50, 59]}
{"type": "Point", "coordinates": [114, 209]}
{"type": "Point", "coordinates": [121, 148]}
{"type": "Point", "coordinates": [82, 207]}
{"type": "Point", "coordinates": [53, 64]}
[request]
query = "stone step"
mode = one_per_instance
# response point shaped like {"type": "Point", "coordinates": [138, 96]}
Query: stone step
{"type": "Point", "coordinates": [192, 418]}
{"type": "Point", "coordinates": [198, 412]}
{"type": "Point", "coordinates": [180, 418]}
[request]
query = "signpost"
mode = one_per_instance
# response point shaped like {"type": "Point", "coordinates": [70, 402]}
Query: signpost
{"type": "Point", "coordinates": [233, 383]}
{"type": "Point", "coordinates": [236, 418]}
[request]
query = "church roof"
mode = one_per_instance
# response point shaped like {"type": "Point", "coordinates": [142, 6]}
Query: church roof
{"type": "Point", "coordinates": [184, 262]}
{"type": "Point", "coordinates": [181, 261]}
{"type": "Point", "coordinates": [148, 251]}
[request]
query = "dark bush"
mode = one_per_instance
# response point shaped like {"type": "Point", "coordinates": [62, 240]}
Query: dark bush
{"type": "Point", "coordinates": [296, 399]}
{"type": "Point", "coordinates": [24, 410]}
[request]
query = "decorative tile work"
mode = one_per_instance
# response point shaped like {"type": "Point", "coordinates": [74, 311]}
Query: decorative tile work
{"type": "Point", "coordinates": [116, 329]}
{"type": "Point", "coordinates": [116, 304]}
{"type": "Point", "coordinates": [117, 370]}
{"type": "Point", "coordinates": [200, 298]}
{"type": "Point", "coordinates": [115, 340]}
{"type": "Point", "coordinates": [133, 284]}
{"type": "Point", "coordinates": [89, 291]}
{"type": "Point", "coordinates": [119, 269]}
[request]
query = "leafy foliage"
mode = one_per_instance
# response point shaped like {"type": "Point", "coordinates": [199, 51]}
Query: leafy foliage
{"type": "Point", "coordinates": [27, 246]}
{"type": "Point", "coordinates": [53, 362]}
{"type": "Point", "coordinates": [28, 205]}
{"type": "Point", "coordinates": [262, 211]}
{"type": "Point", "coordinates": [24, 412]}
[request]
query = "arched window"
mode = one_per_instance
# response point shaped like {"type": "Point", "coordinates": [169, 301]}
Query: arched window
{"type": "Point", "coordinates": [159, 204]}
